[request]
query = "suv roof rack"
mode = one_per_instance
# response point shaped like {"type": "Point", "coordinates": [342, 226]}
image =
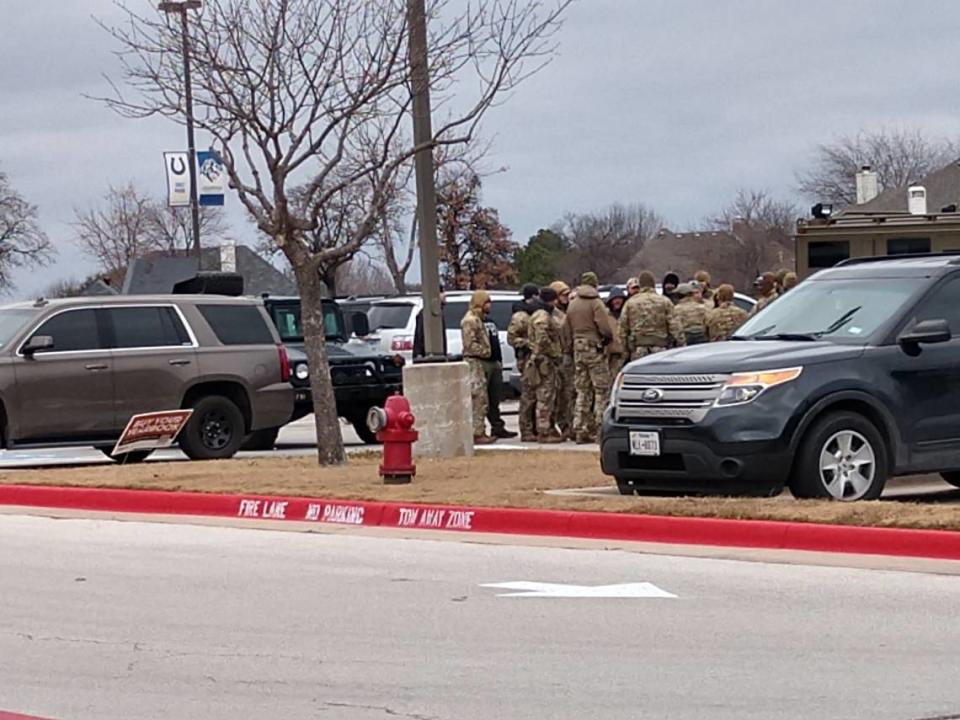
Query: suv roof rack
{"type": "Point", "coordinates": [906, 256]}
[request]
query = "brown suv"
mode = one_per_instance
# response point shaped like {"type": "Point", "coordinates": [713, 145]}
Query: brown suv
{"type": "Point", "coordinates": [73, 372]}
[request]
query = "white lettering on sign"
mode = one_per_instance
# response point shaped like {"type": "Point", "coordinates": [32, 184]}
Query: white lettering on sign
{"type": "Point", "coordinates": [313, 512]}
{"type": "Point", "coordinates": [460, 520]}
{"type": "Point", "coordinates": [343, 514]}
{"type": "Point", "coordinates": [272, 509]}
{"type": "Point", "coordinates": [249, 508]}
{"type": "Point", "coordinates": [438, 519]}
{"type": "Point", "coordinates": [558, 590]}
{"type": "Point", "coordinates": [275, 510]}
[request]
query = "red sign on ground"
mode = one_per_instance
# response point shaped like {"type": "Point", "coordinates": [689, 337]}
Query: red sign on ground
{"type": "Point", "coordinates": [151, 431]}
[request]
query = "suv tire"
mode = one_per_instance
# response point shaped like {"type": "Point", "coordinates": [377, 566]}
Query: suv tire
{"type": "Point", "coordinates": [951, 477]}
{"type": "Point", "coordinates": [130, 458]}
{"type": "Point", "coordinates": [842, 457]}
{"type": "Point", "coordinates": [261, 439]}
{"type": "Point", "coordinates": [215, 430]}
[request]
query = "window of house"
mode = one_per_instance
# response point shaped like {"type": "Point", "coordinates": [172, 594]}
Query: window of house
{"type": "Point", "coordinates": [907, 246]}
{"type": "Point", "coordinates": [827, 253]}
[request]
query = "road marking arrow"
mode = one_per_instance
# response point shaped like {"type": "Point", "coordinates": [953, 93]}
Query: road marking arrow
{"type": "Point", "coordinates": [558, 590]}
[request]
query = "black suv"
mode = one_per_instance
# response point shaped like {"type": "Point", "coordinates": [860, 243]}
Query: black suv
{"type": "Point", "coordinates": [850, 378]}
{"type": "Point", "coordinates": [361, 378]}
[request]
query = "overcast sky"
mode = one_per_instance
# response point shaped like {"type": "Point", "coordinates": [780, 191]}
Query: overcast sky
{"type": "Point", "coordinates": [675, 103]}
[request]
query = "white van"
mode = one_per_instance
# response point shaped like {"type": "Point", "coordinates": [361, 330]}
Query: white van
{"type": "Point", "coordinates": [393, 320]}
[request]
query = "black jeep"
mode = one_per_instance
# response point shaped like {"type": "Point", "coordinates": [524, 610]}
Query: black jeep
{"type": "Point", "coordinates": [361, 378]}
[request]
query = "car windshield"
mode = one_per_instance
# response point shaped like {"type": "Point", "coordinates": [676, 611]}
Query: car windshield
{"type": "Point", "coordinates": [287, 319]}
{"type": "Point", "coordinates": [836, 310]}
{"type": "Point", "coordinates": [11, 321]}
{"type": "Point", "coordinates": [389, 316]}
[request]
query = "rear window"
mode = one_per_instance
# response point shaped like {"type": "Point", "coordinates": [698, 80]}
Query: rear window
{"type": "Point", "coordinates": [145, 327]}
{"type": "Point", "coordinates": [237, 324]}
{"type": "Point", "coordinates": [390, 316]}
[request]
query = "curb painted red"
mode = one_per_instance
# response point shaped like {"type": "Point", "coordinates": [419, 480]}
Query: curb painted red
{"type": "Point", "coordinates": [939, 544]}
{"type": "Point", "coordinates": [14, 716]}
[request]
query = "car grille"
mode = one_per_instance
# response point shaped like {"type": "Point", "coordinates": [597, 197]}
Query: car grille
{"type": "Point", "coordinates": [668, 398]}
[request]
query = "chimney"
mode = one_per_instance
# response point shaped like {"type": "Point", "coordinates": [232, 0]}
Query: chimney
{"type": "Point", "coordinates": [917, 200]}
{"type": "Point", "coordinates": [228, 256]}
{"type": "Point", "coordinates": [868, 185]}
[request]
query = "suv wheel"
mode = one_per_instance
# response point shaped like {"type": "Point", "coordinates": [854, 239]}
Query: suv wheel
{"type": "Point", "coordinates": [130, 458]}
{"type": "Point", "coordinates": [215, 430]}
{"type": "Point", "coordinates": [261, 439]}
{"type": "Point", "coordinates": [842, 457]}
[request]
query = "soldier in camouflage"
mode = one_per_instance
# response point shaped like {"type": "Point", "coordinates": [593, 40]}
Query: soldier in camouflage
{"type": "Point", "coordinates": [477, 353]}
{"type": "Point", "coordinates": [691, 314]}
{"type": "Point", "coordinates": [518, 337]}
{"type": "Point", "coordinates": [724, 320]}
{"type": "Point", "coordinates": [766, 286]}
{"type": "Point", "coordinates": [703, 278]}
{"type": "Point", "coordinates": [648, 323]}
{"type": "Point", "coordinates": [587, 328]}
{"type": "Point", "coordinates": [566, 390]}
{"type": "Point", "coordinates": [546, 353]}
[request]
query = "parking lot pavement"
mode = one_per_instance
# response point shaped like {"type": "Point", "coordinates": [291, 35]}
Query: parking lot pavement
{"type": "Point", "coordinates": [113, 620]}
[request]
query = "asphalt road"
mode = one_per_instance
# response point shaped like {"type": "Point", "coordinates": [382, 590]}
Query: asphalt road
{"type": "Point", "coordinates": [107, 621]}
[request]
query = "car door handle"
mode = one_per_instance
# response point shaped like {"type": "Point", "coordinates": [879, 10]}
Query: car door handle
{"type": "Point", "coordinates": [93, 367]}
{"type": "Point", "coordinates": [179, 362]}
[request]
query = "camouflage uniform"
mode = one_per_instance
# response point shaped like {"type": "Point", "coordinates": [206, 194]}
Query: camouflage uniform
{"type": "Point", "coordinates": [692, 317]}
{"type": "Point", "coordinates": [566, 392]}
{"type": "Point", "coordinates": [763, 301]}
{"type": "Point", "coordinates": [476, 351]}
{"type": "Point", "coordinates": [545, 361]}
{"type": "Point", "coordinates": [518, 337]}
{"type": "Point", "coordinates": [724, 320]}
{"type": "Point", "coordinates": [587, 328]}
{"type": "Point", "coordinates": [648, 325]}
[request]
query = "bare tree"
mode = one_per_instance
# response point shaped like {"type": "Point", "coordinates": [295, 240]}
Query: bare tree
{"type": "Point", "coordinates": [363, 276]}
{"type": "Point", "coordinates": [899, 157]}
{"type": "Point", "coordinates": [304, 98]}
{"type": "Point", "coordinates": [128, 224]}
{"type": "Point", "coordinates": [22, 242]}
{"type": "Point", "coordinates": [758, 210]}
{"type": "Point", "coordinates": [607, 241]}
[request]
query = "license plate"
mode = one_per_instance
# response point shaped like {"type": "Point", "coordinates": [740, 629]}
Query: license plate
{"type": "Point", "coordinates": [644, 443]}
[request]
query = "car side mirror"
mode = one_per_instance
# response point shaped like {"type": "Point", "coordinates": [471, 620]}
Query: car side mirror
{"type": "Point", "coordinates": [926, 332]}
{"type": "Point", "coordinates": [360, 323]}
{"type": "Point", "coordinates": [38, 343]}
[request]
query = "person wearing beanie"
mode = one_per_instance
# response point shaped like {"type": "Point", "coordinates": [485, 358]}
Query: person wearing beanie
{"type": "Point", "coordinates": [546, 352]}
{"type": "Point", "coordinates": [614, 351]}
{"type": "Point", "coordinates": [669, 286]}
{"type": "Point", "coordinates": [518, 337]}
{"type": "Point", "coordinates": [566, 393]}
{"type": "Point", "coordinates": [648, 323]}
{"type": "Point", "coordinates": [477, 352]}
{"type": "Point", "coordinates": [588, 330]}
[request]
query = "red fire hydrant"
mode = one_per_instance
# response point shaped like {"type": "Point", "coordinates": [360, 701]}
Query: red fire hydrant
{"type": "Point", "coordinates": [393, 425]}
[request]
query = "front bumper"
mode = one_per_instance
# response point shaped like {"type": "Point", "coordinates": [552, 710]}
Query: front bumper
{"type": "Point", "coordinates": [709, 456]}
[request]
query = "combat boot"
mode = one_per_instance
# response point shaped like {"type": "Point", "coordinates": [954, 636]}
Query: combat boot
{"type": "Point", "coordinates": [484, 440]}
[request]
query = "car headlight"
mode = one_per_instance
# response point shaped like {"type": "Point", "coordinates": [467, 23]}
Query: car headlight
{"type": "Point", "coordinates": [615, 388]}
{"type": "Point", "coordinates": [742, 388]}
{"type": "Point", "coordinates": [302, 371]}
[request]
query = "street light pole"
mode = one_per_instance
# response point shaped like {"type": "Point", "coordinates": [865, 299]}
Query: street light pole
{"type": "Point", "coordinates": [181, 8]}
{"type": "Point", "coordinates": [426, 192]}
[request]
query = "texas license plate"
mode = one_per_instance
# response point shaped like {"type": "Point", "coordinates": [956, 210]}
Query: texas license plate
{"type": "Point", "coordinates": [644, 443]}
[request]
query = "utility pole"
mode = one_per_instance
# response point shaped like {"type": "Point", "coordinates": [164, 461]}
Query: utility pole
{"type": "Point", "coordinates": [426, 192]}
{"type": "Point", "coordinates": [181, 8]}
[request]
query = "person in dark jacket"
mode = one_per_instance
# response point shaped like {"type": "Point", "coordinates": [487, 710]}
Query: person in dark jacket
{"type": "Point", "coordinates": [669, 286]}
{"type": "Point", "coordinates": [615, 302]}
{"type": "Point", "coordinates": [498, 428]}
{"type": "Point", "coordinates": [419, 348]}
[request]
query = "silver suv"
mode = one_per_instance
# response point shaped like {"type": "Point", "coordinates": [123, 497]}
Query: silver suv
{"type": "Point", "coordinates": [73, 372]}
